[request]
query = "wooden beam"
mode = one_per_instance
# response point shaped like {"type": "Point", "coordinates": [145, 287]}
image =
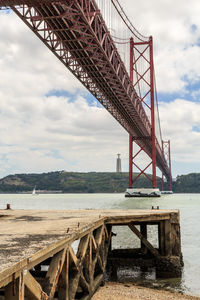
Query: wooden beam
{"type": "Point", "coordinates": [63, 283]}
{"type": "Point", "coordinates": [73, 257]}
{"type": "Point", "coordinates": [176, 239]}
{"type": "Point", "coordinates": [54, 272]}
{"type": "Point", "coordinates": [161, 237]}
{"type": "Point", "coordinates": [107, 246]}
{"type": "Point", "coordinates": [73, 285]}
{"type": "Point", "coordinates": [15, 289]}
{"type": "Point", "coordinates": [90, 261]}
{"type": "Point", "coordinates": [94, 243]}
{"type": "Point", "coordinates": [6, 276]}
{"type": "Point", "coordinates": [34, 288]}
{"type": "Point", "coordinates": [98, 235]}
{"type": "Point", "coordinates": [144, 240]}
{"type": "Point", "coordinates": [21, 286]}
{"type": "Point", "coordinates": [98, 280]}
{"type": "Point", "coordinates": [122, 220]}
{"type": "Point", "coordinates": [82, 247]}
{"type": "Point", "coordinates": [85, 286]}
{"type": "Point", "coordinates": [100, 263]}
{"type": "Point", "coordinates": [168, 243]}
{"type": "Point", "coordinates": [106, 229]}
{"type": "Point", "coordinates": [143, 230]}
{"type": "Point", "coordinates": [74, 273]}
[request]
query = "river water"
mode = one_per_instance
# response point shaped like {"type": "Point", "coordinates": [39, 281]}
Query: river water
{"type": "Point", "coordinates": [188, 204]}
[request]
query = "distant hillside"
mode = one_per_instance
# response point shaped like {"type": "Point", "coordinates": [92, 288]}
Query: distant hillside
{"type": "Point", "coordinates": [70, 182]}
{"type": "Point", "coordinates": [92, 182]}
{"type": "Point", "coordinates": [189, 183]}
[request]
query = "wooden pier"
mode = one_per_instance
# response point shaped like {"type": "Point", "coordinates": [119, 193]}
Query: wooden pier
{"type": "Point", "coordinates": [63, 254]}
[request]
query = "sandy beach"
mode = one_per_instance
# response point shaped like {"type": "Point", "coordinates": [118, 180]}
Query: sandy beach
{"type": "Point", "coordinates": [118, 291]}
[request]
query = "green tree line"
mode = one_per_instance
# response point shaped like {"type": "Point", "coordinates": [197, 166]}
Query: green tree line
{"type": "Point", "coordinates": [91, 182]}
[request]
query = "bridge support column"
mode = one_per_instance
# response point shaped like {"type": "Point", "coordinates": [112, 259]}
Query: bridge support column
{"type": "Point", "coordinates": [130, 161]}
{"type": "Point", "coordinates": [153, 135]}
{"type": "Point", "coordinates": [143, 52]}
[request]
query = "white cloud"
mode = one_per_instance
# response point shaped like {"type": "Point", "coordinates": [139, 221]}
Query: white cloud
{"type": "Point", "coordinates": [40, 133]}
{"type": "Point", "coordinates": [178, 121]}
{"type": "Point", "coordinates": [50, 133]}
{"type": "Point", "coordinates": [175, 27]}
{"type": "Point", "coordinates": [26, 66]}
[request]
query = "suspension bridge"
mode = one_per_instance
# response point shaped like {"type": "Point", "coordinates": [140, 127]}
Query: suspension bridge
{"type": "Point", "coordinates": [98, 43]}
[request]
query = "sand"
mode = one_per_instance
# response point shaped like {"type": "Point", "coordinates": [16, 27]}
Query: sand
{"type": "Point", "coordinates": [117, 291]}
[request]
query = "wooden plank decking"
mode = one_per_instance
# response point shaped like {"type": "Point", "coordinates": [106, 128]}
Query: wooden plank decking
{"type": "Point", "coordinates": [28, 237]}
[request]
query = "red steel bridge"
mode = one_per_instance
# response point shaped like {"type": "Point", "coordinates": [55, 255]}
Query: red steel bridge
{"type": "Point", "coordinates": [97, 42]}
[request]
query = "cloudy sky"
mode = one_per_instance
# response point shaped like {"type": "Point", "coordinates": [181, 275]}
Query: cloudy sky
{"type": "Point", "coordinates": [50, 122]}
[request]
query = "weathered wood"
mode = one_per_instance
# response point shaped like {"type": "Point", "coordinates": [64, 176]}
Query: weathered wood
{"type": "Point", "coordinates": [107, 245]}
{"type": "Point", "coordinates": [84, 284]}
{"type": "Point", "coordinates": [98, 235]}
{"type": "Point", "coordinates": [73, 285]}
{"type": "Point", "coordinates": [54, 272]}
{"type": "Point", "coordinates": [168, 242]}
{"type": "Point", "coordinates": [90, 261]}
{"type": "Point", "coordinates": [98, 280]}
{"type": "Point", "coordinates": [6, 276]}
{"type": "Point", "coordinates": [144, 240]}
{"type": "Point", "coordinates": [101, 264]}
{"type": "Point", "coordinates": [143, 230]}
{"type": "Point", "coordinates": [34, 288]}
{"type": "Point", "coordinates": [73, 257]}
{"type": "Point", "coordinates": [9, 292]}
{"type": "Point", "coordinates": [56, 247]}
{"type": "Point", "coordinates": [176, 239]}
{"type": "Point", "coordinates": [161, 237]}
{"type": "Point", "coordinates": [78, 273]}
{"type": "Point", "coordinates": [175, 217]}
{"type": "Point", "coordinates": [15, 289]}
{"type": "Point", "coordinates": [63, 283]}
{"type": "Point", "coordinates": [82, 248]}
{"type": "Point", "coordinates": [21, 286]}
{"type": "Point", "coordinates": [94, 245]}
{"type": "Point", "coordinates": [116, 220]}
{"type": "Point", "coordinates": [74, 273]}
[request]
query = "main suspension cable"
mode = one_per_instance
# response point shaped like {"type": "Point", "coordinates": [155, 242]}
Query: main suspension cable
{"type": "Point", "coordinates": [127, 21]}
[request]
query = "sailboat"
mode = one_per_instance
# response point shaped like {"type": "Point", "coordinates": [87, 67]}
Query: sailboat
{"type": "Point", "coordinates": [34, 191]}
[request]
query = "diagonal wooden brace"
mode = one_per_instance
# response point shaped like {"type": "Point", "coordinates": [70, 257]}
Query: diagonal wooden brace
{"type": "Point", "coordinates": [54, 272]}
{"type": "Point", "coordinates": [34, 287]}
{"type": "Point", "coordinates": [144, 240]}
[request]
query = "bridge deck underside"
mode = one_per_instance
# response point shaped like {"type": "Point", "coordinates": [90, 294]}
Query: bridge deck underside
{"type": "Point", "coordinates": [77, 34]}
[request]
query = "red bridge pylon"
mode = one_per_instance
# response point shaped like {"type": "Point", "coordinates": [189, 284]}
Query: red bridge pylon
{"type": "Point", "coordinates": [142, 77]}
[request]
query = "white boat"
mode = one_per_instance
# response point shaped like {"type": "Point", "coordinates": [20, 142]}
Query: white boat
{"type": "Point", "coordinates": [34, 192]}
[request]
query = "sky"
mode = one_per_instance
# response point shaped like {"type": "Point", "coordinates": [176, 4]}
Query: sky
{"type": "Point", "coordinates": [48, 120]}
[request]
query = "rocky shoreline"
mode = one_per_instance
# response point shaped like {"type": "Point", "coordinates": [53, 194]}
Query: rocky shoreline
{"type": "Point", "coordinates": [122, 291]}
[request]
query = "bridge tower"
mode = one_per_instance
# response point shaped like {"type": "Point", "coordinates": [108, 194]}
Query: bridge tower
{"type": "Point", "coordinates": [143, 82]}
